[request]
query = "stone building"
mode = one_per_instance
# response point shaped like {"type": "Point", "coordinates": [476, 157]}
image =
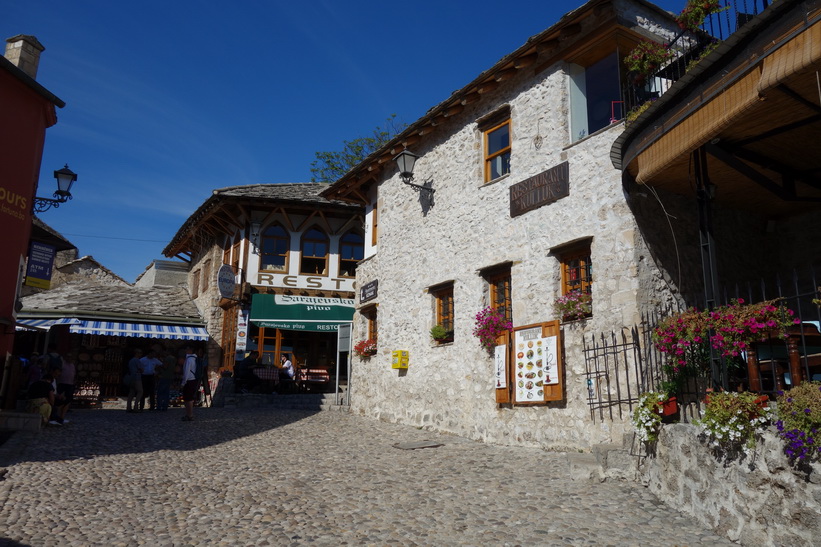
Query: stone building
{"type": "Point", "coordinates": [293, 255]}
{"type": "Point", "coordinates": [515, 205]}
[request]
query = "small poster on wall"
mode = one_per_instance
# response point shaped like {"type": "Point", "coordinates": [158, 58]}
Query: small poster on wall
{"type": "Point", "coordinates": [500, 366]}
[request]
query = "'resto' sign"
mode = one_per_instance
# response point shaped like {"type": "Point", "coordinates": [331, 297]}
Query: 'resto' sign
{"type": "Point", "coordinates": [542, 189]}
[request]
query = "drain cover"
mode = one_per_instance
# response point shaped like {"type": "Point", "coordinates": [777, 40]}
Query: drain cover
{"type": "Point", "coordinates": [417, 444]}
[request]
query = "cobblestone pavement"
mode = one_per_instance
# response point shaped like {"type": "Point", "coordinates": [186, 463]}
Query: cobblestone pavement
{"type": "Point", "coordinates": [272, 477]}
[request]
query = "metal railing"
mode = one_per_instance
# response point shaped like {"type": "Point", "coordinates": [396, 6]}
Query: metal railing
{"type": "Point", "coordinates": [619, 366]}
{"type": "Point", "coordinates": [688, 47]}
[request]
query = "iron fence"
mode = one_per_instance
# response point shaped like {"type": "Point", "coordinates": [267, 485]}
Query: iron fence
{"type": "Point", "coordinates": [620, 365]}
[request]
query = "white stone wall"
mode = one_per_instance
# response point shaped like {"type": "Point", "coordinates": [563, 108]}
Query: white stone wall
{"type": "Point", "coordinates": [450, 388]}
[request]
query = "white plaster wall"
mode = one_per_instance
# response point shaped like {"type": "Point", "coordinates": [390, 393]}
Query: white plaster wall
{"type": "Point", "coordinates": [450, 388]}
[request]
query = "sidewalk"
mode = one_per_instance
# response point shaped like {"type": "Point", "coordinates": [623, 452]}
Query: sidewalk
{"type": "Point", "coordinates": [259, 476]}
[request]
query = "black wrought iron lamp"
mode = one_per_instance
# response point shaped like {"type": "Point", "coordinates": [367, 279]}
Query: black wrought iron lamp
{"type": "Point", "coordinates": [65, 179]}
{"type": "Point", "coordinates": [406, 161]}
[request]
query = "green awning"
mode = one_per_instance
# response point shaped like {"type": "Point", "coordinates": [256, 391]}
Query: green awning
{"type": "Point", "coordinates": [311, 313]}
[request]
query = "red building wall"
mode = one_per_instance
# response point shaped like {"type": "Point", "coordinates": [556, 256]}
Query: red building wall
{"type": "Point", "coordinates": [24, 116]}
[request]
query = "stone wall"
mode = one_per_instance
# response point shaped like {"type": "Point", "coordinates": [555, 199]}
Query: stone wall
{"type": "Point", "coordinates": [469, 228]}
{"type": "Point", "coordinates": [757, 500]}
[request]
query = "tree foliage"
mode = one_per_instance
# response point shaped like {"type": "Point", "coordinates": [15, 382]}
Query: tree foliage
{"type": "Point", "coordinates": [332, 166]}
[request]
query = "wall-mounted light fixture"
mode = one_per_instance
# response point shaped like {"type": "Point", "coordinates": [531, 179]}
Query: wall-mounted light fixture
{"type": "Point", "coordinates": [254, 232]}
{"type": "Point", "coordinates": [65, 179]}
{"type": "Point", "coordinates": [406, 160]}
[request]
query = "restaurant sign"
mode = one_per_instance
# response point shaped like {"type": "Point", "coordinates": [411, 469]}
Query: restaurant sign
{"type": "Point", "coordinates": [296, 312]}
{"type": "Point", "coordinates": [542, 189]}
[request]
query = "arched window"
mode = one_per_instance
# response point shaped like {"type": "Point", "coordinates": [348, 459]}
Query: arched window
{"type": "Point", "coordinates": [351, 251]}
{"type": "Point", "coordinates": [314, 253]}
{"type": "Point", "coordinates": [274, 245]}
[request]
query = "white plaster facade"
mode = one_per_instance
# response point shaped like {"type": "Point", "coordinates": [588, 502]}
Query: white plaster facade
{"type": "Point", "coordinates": [469, 228]}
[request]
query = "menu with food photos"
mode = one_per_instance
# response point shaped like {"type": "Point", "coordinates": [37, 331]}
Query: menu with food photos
{"type": "Point", "coordinates": [536, 364]}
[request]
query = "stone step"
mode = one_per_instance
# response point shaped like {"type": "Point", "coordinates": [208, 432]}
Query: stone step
{"type": "Point", "coordinates": [584, 467]}
{"type": "Point", "coordinates": [615, 461]}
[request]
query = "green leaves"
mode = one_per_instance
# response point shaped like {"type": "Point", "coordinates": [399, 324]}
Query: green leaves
{"type": "Point", "coordinates": [332, 166]}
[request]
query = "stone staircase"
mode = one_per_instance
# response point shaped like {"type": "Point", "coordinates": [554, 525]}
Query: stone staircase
{"type": "Point", "coordinates": [607, 461]}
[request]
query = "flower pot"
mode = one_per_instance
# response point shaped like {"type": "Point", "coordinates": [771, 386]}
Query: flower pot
{"type": "Point", "coordinates": [669, 407]}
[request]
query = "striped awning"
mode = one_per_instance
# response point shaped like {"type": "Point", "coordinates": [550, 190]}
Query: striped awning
{"type": "Point", "coordinates": [44, 324]}
{"type": "Point", "coordinates": [141, 330]}
{"type": "Point", "coordinates": [115, 328]}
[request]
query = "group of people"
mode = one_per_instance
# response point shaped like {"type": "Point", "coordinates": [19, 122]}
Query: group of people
{"type": "Point", "coordinates": [150, 377]}
{"type": "Point", "coordinates": [50, 386]}
{"type": "Point", "coordinates": [244, 371]}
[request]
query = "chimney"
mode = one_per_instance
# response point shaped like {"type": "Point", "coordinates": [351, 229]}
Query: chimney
{"type": "Point", "coordinates": [24, 53]}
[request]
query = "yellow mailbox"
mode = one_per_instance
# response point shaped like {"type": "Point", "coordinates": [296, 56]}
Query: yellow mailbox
{"type": "Point", "coordinates": [399, 359]}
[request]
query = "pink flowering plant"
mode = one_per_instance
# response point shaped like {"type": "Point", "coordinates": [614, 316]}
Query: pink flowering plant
{"type": "Point", "coordinates": [647, 57]}
{"type": "Point", "coordinates": [696, 11]}
{"type": "Point", "coordinates": [576, 304]}
{"type": "Point", "coordinates": [729, 329]}
{"type": "Point", "coordinates": [365, 348]}
{"type": "Point", "coordinates": [490, 323]}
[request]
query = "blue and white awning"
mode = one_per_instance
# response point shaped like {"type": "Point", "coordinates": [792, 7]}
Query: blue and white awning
{"type": "Point", "coordinates": [44, 324]}
{"type": "Point", "coordinates": [115, 328]}
{"type": "Point", "coordinates": [141, 330]}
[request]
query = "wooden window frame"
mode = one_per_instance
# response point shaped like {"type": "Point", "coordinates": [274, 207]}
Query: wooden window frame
{"type": "Point", "coordinates": [577, 270]}
{"type": "Point", "coordinates": [350, 260]}
{"type": "Point", "coordinates": [235, 252]}
{"type": "Point", "coordinates": [499, 283]}
{"type": "Point", "coordinates": [444, 303]}
{"type": "Point", "coordinates": [262, 254]}
{"type": "Point", "coordinates": [302, 257]}
{"type": "Point", "coordinates": [490, 157]}
{"type": "Point", "coordinates": [371, 318]}
{"type": "Point", "coordinates": [374, 225]}
{"type": "Point", "coordinates": [195, 284]}
{"type": "Point", "coordinates": [206, 275]}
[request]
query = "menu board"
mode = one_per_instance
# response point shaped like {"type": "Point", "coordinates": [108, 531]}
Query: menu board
{"type": "Point", "coordinates": [535, 365]}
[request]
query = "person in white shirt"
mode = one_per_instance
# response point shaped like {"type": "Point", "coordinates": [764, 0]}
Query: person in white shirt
{"type": "Point", "coordinates": [189, 383]}
{"type": "Point", "coordinates": [287, 366]}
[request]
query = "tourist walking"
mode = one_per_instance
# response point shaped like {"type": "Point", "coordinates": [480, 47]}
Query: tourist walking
{"type": "Point", "coordinates": [134, 381]}
{"type": "Point", "coordinates": [165, 375]}
{"type": "Point", "coordinates": [65, 391]}
{"type": "Point", "coordinates": [149, 364]}
{"type": "Point", "coordinates": [189, 383]}
{"type": "Point", "coordinates": [41, 396]}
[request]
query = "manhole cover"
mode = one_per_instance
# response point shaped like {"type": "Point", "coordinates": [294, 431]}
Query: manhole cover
{"type": "Point", "coordinates": [417, 444]}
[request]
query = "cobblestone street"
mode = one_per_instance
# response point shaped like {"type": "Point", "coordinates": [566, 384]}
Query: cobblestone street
{"type": "Point", "coordinates": [271, 477]}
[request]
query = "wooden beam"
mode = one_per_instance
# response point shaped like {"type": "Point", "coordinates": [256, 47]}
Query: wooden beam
{"type": "Point", "coordinates": [470, 98]}
{"type": "Point", "coordinates": [505, 74]}
{"type": "Point", "coordinates": [570, 30]}
{"type": "Point", "coordinates": [548, 46]}
{"type": "Point", "coordinates": [453, 110]}
{"type": "Point", "coordinates": [526, 60]}
{"type": "Point", "coordinates": [487, 87]}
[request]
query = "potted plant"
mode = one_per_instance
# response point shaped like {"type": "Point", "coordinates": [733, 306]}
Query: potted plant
{"type": "Point", "coordinates": [365, 348]}
{"type": "Point", "coordinates": [441, 334]}
{"type": "Point", "coordinates": [645, 59]}
{"type": "Point", "coordinates": [696, 11]}
{"type": "Point", "coordinates": [490, 323]}
{"type": "Point", "coordinates": [574, 305]}
{"type": "Point", "coordinates": [799, 421]}
{"type": "Point", "coordinates": [732, 420]}
{"type": "Point", "coordinates": [647, 416]}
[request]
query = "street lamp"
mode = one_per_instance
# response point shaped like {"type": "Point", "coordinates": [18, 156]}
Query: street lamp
{"type": "Point", "coordinates": [406, 161]}
{"type": "Point", "coordinates": [65, 179]}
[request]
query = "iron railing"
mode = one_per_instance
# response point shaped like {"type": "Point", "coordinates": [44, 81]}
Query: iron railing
{"type": "Point", "coordinates": [688, 48]}
{"type": "Point", "coordinates": [619, 366]}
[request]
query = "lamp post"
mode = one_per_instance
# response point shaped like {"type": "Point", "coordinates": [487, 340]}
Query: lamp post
{"type": "Point", "coordinates": [406, 160]}
{"type": "Point", "coordinates": [65, 180]}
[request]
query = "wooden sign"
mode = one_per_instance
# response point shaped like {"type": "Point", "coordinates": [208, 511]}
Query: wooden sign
{"type": "Point", "coordinates": [546, 187]}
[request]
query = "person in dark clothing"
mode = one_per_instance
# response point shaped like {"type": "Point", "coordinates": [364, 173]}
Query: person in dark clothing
{"type": "Point", "coordinates": [244, 372]}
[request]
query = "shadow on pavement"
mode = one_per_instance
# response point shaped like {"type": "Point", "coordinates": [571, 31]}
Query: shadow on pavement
{"type": "Point", "coordinates": [101, 432]}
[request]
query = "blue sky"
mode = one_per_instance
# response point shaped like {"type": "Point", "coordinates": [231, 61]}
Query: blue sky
{"type": "Point", "coordinates": [166, 101]}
